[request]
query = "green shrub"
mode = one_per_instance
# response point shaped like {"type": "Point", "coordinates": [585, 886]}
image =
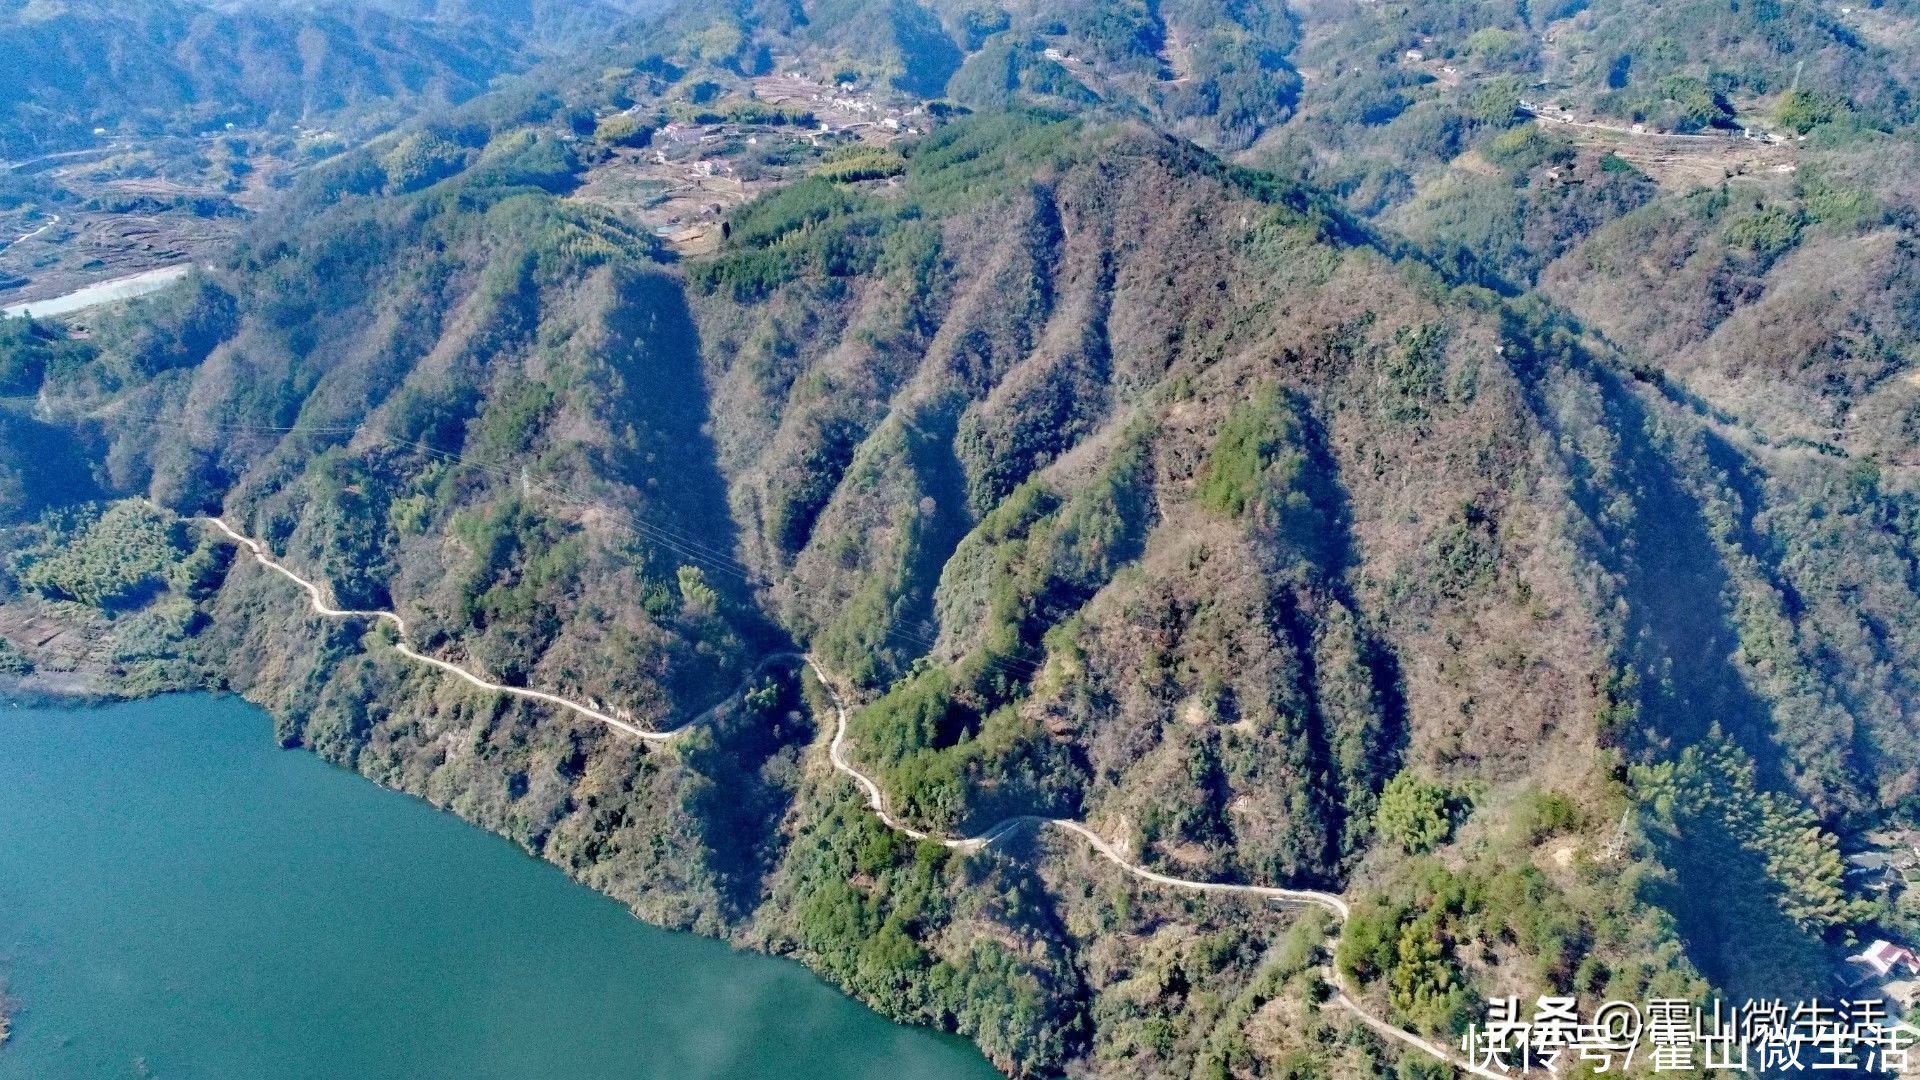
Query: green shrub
{"type": "Point", "coordinates": [623, 129]}
{"type": "Point", "coordinates": [1259, 469]}
{"type": "Point", "coordinates": [1829, 201]}
{"type": "Point", "coordinates": [1496, 102]}
{"type": "Point", "coordinates": [1526, 148]}
{"type": "Point", "coordinates": [28, 349]}
{"type": "Point", "coordinates": [114, 559]}
{"type": "Point", "coordinates": [1768, 232]}
{"type": "Point", "coordinates": [12, 660]}
{"type": "Point", "coordinates": [697, 598]}
{"type": "Point", "coordinates": [862, 165]}
{"type": "Point", "coordinates": [1689, 104]}
{"type": "Point", "coordinates": [1714, 783]}
{"type": "Point", "coordinates": [420, 159]}
{"type": "Point", "coordinates": [1545, 813]}
{"type": "Point", "coordinates": [1415, 815]}
{"type": "Point", "coordinates": [1495, 47]}
{"type": "Point", "coordinates": [1803, 110]}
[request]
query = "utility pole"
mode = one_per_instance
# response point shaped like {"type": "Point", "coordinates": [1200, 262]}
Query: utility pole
{"type": "Point", "coordinates": [1617, 846]}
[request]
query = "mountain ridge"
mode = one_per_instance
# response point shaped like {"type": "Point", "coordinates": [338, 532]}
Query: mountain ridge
{"type": "Point", "coordinates": [1307, 558]}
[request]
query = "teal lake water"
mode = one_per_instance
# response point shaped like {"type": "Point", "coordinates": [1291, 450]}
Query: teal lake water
{"type": "Point", "coordinates": [180, 899]}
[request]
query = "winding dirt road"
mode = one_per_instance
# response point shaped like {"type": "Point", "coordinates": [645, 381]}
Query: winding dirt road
{"type": "Point", "coordinates": [876, 798]}
{"type": "Point", "coordinates": [23, 237]}
{"type": "Point", "coordinates": [876, 801]}
{"type": "Point", "coordinates": [322, 607]}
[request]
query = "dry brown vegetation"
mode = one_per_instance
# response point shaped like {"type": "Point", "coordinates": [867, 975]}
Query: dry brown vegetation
{"type": "Point", "coordinates": [1474, 569]}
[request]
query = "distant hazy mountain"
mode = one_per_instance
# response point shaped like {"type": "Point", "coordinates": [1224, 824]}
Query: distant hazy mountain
{"type": "Point", "coordinates": [545, 23]}
{"type": "Point", "coordinates": [171, 65]}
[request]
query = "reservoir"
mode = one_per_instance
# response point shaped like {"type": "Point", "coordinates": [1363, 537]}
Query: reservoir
{"type": "Point", "coordinates": [102, 292]}
{"type": "Point", "coordinates": [180, 898]}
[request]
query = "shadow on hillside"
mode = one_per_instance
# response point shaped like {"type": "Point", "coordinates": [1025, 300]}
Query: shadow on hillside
{"type": "Point", "coordinates": [1729, 917]}
{"type": "Point", "coordinates": [1681, 632]}
{"type": "Point", "coordinates": [1349, 810]}
{"type": "Point", "coordinates": [931, 56]}
{"type": "Point", "coordinates": [662, 410]}
{"type": "Point", "coordinates": [1743, 483]}
{"type": "Point", "coordinates": [1678, 635]}
{"type": "Point", "coordinates": [749, 759]}
{"type": "Point", "coordinates": [930, 437]}
{"type": "Point", "coordinates": [42, 467]}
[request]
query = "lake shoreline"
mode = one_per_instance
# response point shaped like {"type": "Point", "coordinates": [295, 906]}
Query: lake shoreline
{"type": "Point", "coordinates": [101, 745]}
{"type": "Point", "coordinates": [78, 669]}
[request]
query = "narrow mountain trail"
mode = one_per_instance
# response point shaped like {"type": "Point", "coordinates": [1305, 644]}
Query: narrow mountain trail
{"type": "Point", "coordinates": [322, 607]}
{"type": "Point", "coordinates": [876, 798]}
{"type": "Point", "coordinates": [876, 801]}
{"type": "Point", "coordinates": [23, 237]}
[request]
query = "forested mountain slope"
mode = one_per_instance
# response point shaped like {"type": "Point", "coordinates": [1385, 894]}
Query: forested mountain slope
{"type": "Point", "coordinates": [1235, 545]}
{"type": "Point", "coordinates": [559, 26]}
{"type": "Point", "coordinates": [1725, 191]}
{"type": "Point", "coordinates": [180, 67]}
{"type": "Point", "coordinates": [1116, 481]}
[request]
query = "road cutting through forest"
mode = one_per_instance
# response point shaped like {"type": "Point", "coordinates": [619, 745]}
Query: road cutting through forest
{"type": "Point", "coordinates": [322, 607]}
{"type": "Point", "coordinates": [23, 237]}
{"type": "Point", "coordinates": [876, 798]}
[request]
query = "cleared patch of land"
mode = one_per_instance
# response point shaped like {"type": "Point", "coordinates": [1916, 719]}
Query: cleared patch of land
{"type": "Point", "coordinates": [84, 217]}
{"type": "Point", "coordinates": [1674, 160]}
{"type": "Point", "coordinates": [689, 175]}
